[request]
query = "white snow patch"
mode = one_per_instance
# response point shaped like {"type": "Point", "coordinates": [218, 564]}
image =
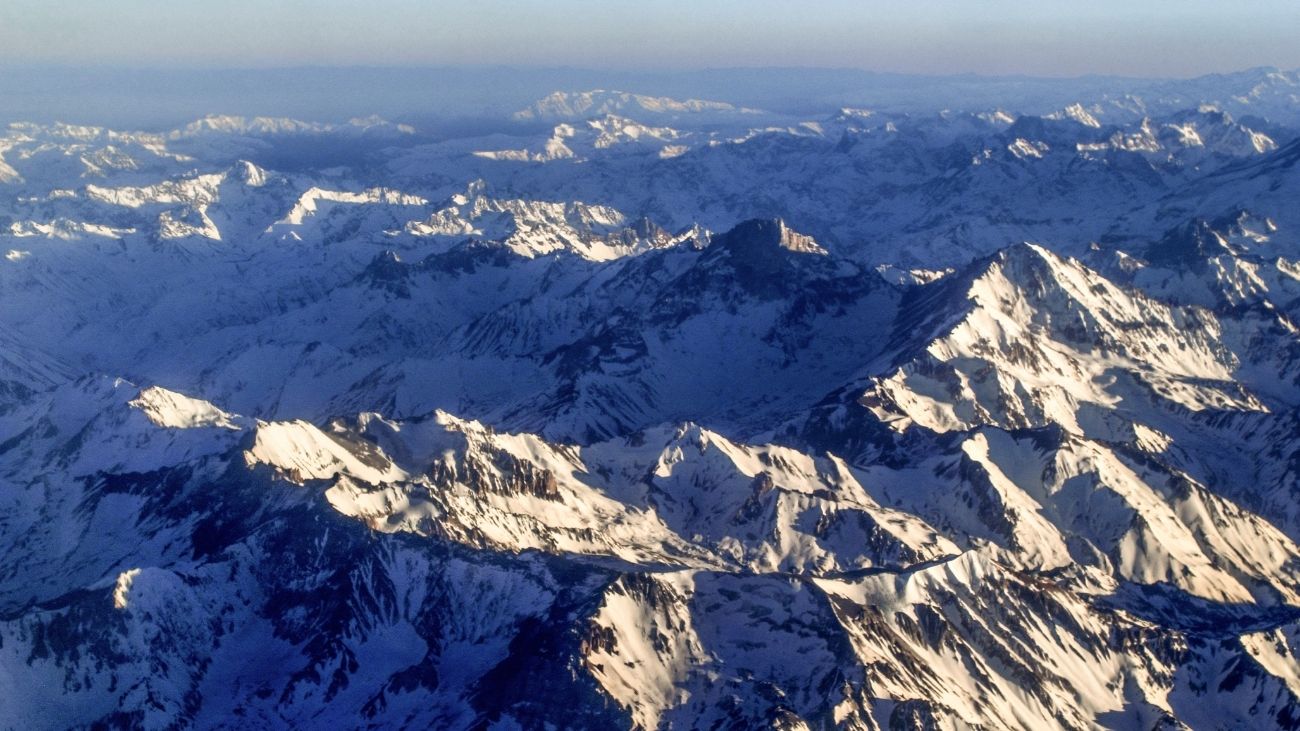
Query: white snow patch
{"type": "Point", "coordinates": [123, 587]}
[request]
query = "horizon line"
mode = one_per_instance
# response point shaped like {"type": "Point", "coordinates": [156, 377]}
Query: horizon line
{"type": "Point", "coordinates": [570, 68]}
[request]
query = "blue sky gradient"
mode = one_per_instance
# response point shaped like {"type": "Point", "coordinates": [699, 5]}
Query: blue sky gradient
{"type": "Point", "coordinates": [1044, 38]}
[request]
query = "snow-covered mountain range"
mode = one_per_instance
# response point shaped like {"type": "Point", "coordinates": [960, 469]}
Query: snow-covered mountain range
{"type": "Point", "coordinates": [657, 414]}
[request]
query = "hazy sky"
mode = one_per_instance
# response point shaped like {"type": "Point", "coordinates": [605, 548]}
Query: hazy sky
{"type": "Point", "coordinates": [1038, 37]}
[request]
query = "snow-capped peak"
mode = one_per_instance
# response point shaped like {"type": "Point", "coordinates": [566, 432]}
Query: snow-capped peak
{"type": "Point", "coordinates": [579, 105]}
{"type": "Point", "coordinates": [1079, 114]}
{"type": "Point", "coordinates": [176, 411]}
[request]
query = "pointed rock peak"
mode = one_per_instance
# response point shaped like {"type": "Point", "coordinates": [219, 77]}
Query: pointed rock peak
{"type": "Point", "coordinates": [465, 429]}
{"type": "Point", "coordinates": [386, 264]}
{"type": "Point", "coordinates": [1022, 266]}
{"type": "Point", "coordinates": [691, 433]}
{"type": "Point", "coordinates": [669, 435]}
{"type": "Point", "coordinates": [853, 113]}
{"type": "Point", "coordinates": [1026, 251]}
{"type": "Point", "coordinates": [1039, 273]}
{"type": "Point", "coordinates": [177, 411]}
{"type": "Point", "coordinates": [689, 439]}
{"type": "Point", "coordinates": [453, 422]}
{"type": "Point", "coordinates": [248, 174]}
{"type": "Point", "coordinates": [1207, 113]}
{"type": "Point", "coordinates": [1077, 113]}
{"type": "Point", "coordinates": [695, 236]}
{"type": "Point", "coordinates": [761, 236]}
{"type": "Point", "coordinates": [474, 191]}
{"type": "Point", "coordinates": [387, 271]}
{"type": "Point", "coordinates": [1024, 258]}
{"type": "Point", "coordinates": [446, 418]}
{"type": "Point", "coordinates": [1000, 116]}
{"type": "Point", "coordinates": [1029, 268]}
{"type": "Point", "coordinates": [646, 228]}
